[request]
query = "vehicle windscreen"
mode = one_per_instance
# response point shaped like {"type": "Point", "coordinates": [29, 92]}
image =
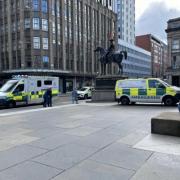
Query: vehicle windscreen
{"type": "Point", "coordinates": [165, 83]}
{"type": "Point", "coordinates": [83, 89]}
{"type": "Point", "coordinates": [8, 86]}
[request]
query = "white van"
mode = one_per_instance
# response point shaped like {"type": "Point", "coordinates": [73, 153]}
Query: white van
{"type": "Point", "coordinates": [27, 89]}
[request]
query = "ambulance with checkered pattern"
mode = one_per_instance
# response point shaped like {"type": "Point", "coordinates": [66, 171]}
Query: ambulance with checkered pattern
{"type": "Point", "coordinates": [27, 89]}
{"type": "Point", "coordinates": [150, 90]}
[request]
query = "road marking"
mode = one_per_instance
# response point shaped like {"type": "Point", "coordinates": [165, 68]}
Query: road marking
{"type": "Point", "coordinates": [36, 110]}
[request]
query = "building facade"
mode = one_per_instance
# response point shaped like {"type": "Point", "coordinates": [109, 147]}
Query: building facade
{"type": "Point", "coordinates": [54, 37]}
{"type": "Point", "coordinates": [108, 3]}
{"type": "Point", "coordinates": [173, 37]}
{"type": "Point", "coordinates": [138, 63]}
{"type": "Point", "coordinates": [158, 50]}
{"type": "Point", "coordinates": [125, 19]}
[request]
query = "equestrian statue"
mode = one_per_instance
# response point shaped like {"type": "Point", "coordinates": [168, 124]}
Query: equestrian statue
{"type": "Point", "coordinates": [110, 56]}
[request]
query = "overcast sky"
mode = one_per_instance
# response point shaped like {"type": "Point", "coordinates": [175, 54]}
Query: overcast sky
{"type": "Point", "coordinates": [152, 16]}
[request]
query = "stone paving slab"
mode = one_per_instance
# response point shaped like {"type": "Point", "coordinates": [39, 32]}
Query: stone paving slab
{"type": "Point", "coordinates": [91, 170]}
{"type": "Point", "coordinates": [17, 155]}
{"type": "Point", "coordinates": [133, 138]}
{"type": "Point", "coordinates": [16, 140]}
{"type": "Point", "coordinates": [123, 156]}
{"type": "Point", "coordinates": [46, 132]}
{"type": "Point", "coordinates": [66, 156]}
{"type": "Point", "coordinates": [29, 171]}
{"type": "Point", "coordinates": [97, 140]}
{"type": "Point", "coordinates": [160, 143]}
{"type": "Point", "coordinates": [53, 142]}
{"type": "Point", "coordinates": [82, 131]}
{"type": "Point", "coordinates": [160, 166]}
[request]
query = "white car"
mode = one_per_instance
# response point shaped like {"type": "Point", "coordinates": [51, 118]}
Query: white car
{"type": "Point", "coordinates": [85, 92]}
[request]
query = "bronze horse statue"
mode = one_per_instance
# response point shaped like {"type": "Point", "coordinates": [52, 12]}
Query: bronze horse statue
{"type": "Point", "coordinates": [112, 57]}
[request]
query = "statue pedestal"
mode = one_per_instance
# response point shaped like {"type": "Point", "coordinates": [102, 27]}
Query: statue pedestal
{"type": "Point", "coordinates": [105, 88]}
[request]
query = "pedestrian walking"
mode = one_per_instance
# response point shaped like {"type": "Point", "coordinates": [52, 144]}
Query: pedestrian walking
{"type": "Point", "coordinates": [179, 106]}
{"type": "Point", "coordinates": [74, 96]}
{"type": "Point", "coordinates": [49, 97]}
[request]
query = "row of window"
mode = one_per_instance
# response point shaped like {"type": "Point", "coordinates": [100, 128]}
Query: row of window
{"type": "Point", "coordinates": [44, 5]}
{"type": "Point", "coordinates": [36, 24]}
{"type": "Point", "coordinates": [37, 43]}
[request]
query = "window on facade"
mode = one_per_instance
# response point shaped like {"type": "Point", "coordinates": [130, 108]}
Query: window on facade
{"type": "Point", "coordinates": [58, 9]}
{"type": "Point", "coordinates": [36, 25]}
{"type": "Point", "coordinates": [36, 4]}
{"type": "Point", "coordinates": [36, 42]}
{"type": "Point", "coordinates": [27, 3]}
{"type": "Point", "coordinates": [27, 23]}
{"type": "Point", "coordinates": [45, 61]}
{"type": "Point", "coordinates": [44, 6]}
{"type": "Point", "coordinates": [44, 24]}
{"type": "Point", "coordinates": [53, 27]}
{"type": "Point", "coordinates": [53, 7]}
{"type": "Point", "coordinates": [175, 44]}
{"type": "Point", "coordinates": [45, 43]}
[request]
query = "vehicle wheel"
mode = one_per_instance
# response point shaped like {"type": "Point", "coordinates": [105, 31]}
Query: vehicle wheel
{"type": "Point", "coordinates": [85, 96]}
{"type": "Point", "coordinates": [11, 104]}
{"type": "Point", "coordinates": [168, 101]}
{"type": "Point", "coordinates": [124, 101]}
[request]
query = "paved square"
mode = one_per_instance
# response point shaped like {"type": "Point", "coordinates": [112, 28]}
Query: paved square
{"type": "Point", "coordinates": [88, 141]}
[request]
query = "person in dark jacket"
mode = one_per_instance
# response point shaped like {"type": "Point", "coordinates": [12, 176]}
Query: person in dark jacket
{"type": "Point", "coordinates": [45, 97]}
{"type": "Point", "coordinates": [49, 97]}
{"type": "Point", "coordinates": [74, 96]}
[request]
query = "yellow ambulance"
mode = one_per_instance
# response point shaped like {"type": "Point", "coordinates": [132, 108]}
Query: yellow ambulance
{"type": "Point", "coordinates": [150, 90]}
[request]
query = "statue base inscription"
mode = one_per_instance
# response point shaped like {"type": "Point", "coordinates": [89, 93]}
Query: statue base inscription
{"type": "Point", "coordinates": [105, 88]}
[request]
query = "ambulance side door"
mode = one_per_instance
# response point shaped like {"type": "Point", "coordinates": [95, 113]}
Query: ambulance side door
{"type": "Point", "coordinates": [154, 91]}
{"type": "Point", "coordinates": [19, 93]}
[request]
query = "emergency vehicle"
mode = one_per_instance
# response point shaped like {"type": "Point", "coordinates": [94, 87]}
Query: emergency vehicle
{"type": "Point", "coordinates": [27, 89]}
{"type": "Point", "coordinates": [150, 90]}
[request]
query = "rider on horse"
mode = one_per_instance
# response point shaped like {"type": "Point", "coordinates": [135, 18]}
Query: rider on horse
{"type": "Point", "coordinates": [110, 50]}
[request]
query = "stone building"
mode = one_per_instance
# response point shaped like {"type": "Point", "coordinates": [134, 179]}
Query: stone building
{"type": "Point", "coordinates": [173, 37]}
{"type": "Point", "coordinates": [54, 37]}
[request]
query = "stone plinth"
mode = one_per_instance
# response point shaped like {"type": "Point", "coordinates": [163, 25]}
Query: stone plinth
{"type": "Point", "coordinates": [167, 123]}
{"type": "Point", "coordinates": [107, 82]}
{"type": "Point", "coordinates": [105, 88]}
{"type": "Point", "coordinates": [103, 95]}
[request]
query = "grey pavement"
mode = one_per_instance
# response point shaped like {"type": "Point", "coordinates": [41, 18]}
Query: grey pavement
{"type": "Point", "coordinates": [88, 141]}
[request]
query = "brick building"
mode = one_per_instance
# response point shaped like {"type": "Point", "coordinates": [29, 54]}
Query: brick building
{"type": "Point", "coordinates": [158, 50]}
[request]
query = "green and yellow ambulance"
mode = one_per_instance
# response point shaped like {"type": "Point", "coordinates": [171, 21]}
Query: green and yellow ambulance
{"type": "Point", "coordinates": [150, 90]}
{"type": "Point", "coordinates": [27, 90]}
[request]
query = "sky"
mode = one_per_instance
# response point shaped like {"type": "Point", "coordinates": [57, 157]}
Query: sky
{"type": "Point", "coordinates": [152, 16]}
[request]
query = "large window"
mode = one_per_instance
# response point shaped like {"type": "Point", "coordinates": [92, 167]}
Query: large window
{"type": "Point", "coordinates": [36, 4]}
{"type": "Point", "coordinates": [44, 6]}
{"type": "Point", "coordinates": [44, 24]}
{"type": "Point", "coordinates": [36, 43]}
{"type": "Point", "coordinates": [36, 25]}
{"type": "Point", "coordinates": [45, 43]}
{"type": "Point", "coordinates": [175, 45]}
{"type": "Point", "coordinates": [45, 61]}
{"type": "Point", "coordinates": [27, 23]}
